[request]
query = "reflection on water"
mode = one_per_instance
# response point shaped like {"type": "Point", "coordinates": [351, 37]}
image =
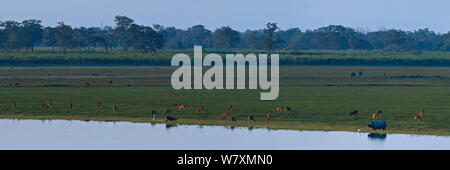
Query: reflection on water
{"type": "Point", "coordinates": [168, 126]}
{"type": "Point", "coordinates": [377, 136]}
{"type": "Point", "coordinates": [62, 134]}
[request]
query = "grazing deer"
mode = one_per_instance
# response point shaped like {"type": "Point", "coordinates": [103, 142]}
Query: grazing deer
{"type": "Point", "coordinates": [421, 112]}
{"type": "Point", "coordinates": [154, 114]}
{"type": "Point", "coordinates": [268, 117]}
{"type": "Point", "coordinates": [99, 104]}
{"type": "Point", "coordinates": [229, 107]}
{"type": "Point", "coordinates": [167, 111]}
{"type": "Point", "coordinates": [168, 118]}
{"type": "Point", "coordinates": [70, 105]}
{"type": "Point", "coordinates": [354, 112]}
{"type": "Point", "coordinates": [49, 105]}
{"type": "Point", "coordinates": [417, 118]}
{"type": "Point", "coordinates": [114, 108]}
{"type": "Point", "coordinates": [200, 108]}
{"type": "Point", "coordinates": [288, 109]}
{"type": "Point", "coordinates": [224, 115]}
{"type": "Point", "coordinates": [375, 115]}
{"type": "Point", "coordinates": [43, 106]}
{"type": "Point", "coordinates": [232, 119]}
{"type": "Point", "coordinates": [180, 107]}
{"type": "Point", "coordinates": [251, 118]}
{"type": "Point", "coordinates": [279, 109]}
{"type": "Point", "coordinates": [13, 105]}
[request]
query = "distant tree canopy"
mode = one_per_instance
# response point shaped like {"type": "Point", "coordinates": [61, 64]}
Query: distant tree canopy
{"type": "Point", "coordinates": [16, 36]}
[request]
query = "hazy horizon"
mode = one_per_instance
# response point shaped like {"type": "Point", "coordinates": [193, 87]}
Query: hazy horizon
{"type": "Point", "coordinates": [305, 14]}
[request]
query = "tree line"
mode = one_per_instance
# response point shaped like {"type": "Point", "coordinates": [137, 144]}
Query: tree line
{"type": "Point", "coordinates": [126, 34]}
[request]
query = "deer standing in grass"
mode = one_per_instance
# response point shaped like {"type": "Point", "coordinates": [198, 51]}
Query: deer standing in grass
{"type": "Point", "coordinates": [375, 115]}
{"type": "Point", "coordinates": [200, 108]}
{"type": "Point", "coordinates": [13, 105]}
{"type": "Point", "coordinates": [224, 115]}
{"type": "Point", "coordinates": [268, 117]}
{"type": "Point", "coordinates": [417, 118]}
{"type": "Point", "coordinates": [279, 109]}
{"type": "Point", "coordinates": [229, 107]}
{"type": "Point", "coordinates": [43, 106]}
{"type": "Point", "coordinates": [180, 107]}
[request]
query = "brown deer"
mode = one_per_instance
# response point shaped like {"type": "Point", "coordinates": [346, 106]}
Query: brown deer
{"type": "Point", "coordinates": [417, 118]}
{"type": "Point", "coordinates": [251, 118]}
{"type": "Point", "coordinates": [43, 106]}
{"type": "Point", "coordinates": [180, 107]}
{"type": "Point", "coordinates": [200, 108]}
{"type": "Point", "coordinates": [114, 108]}
{"type": "Point", "coordinates": [229, 107]}
{"type": "Point", "coordinates": [268, 117]}
{"type": "Point", "coordinates": [421, 112]}
{"type": "Point", "coordinates": [224, 115]}
{"type": "Point", "coordinates": [279, 109]}
{"type": "Point", "coordinates": [13, 105]}
{"type": "Point", "coordinates": [99, 104]}
{"type": "Point", "coordinates": [354, 112]}
{"type": "Point", "coordinates": [375, 115]}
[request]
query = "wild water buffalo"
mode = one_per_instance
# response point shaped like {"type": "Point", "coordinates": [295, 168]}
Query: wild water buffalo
{"type": "Point", "coordinates": [354, 112]}
{"type": "Point", "coordinates": [377, 124]}
{"type": "Point", "coordinates": [168, 118]}
{"type": "Point", "coordinates": [251, 118]}
{"type": "Point", "coordinates": [288, 109]}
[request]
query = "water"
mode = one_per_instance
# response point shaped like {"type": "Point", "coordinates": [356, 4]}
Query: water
{"type": "Point", "coordinates": [64, 134]}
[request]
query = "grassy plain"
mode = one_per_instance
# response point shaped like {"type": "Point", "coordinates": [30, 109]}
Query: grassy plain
{"type": "Point", "coordinates": [321, 97]}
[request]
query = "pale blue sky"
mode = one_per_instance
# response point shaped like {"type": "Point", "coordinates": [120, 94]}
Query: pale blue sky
{"type": "Point", "coordinates": [239, 14]}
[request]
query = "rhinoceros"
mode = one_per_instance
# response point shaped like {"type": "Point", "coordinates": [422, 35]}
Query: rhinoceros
{"type": "Point", "coordinates": [378, 124]}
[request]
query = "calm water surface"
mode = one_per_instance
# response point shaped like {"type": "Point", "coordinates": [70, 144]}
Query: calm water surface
{"type": "Point", "coordinates": [64, 134]}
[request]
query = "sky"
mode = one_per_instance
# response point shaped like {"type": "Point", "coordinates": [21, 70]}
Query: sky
{"type": "Point", "coordinates": [363, 15]}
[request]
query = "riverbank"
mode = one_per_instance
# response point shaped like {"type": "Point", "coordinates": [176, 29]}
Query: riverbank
{"type": "Point", "coordinates": [273, 125]}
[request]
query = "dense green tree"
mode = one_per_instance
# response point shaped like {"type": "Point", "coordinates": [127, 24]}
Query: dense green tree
{"type": "Point", "coordinates": [271, 40]}
{"type": "Point", "coordinates": [225, 38]}
{"type": "Point", "coordinates": [32, 33]}
{"type": "Point", "coordinates": [63, 36]}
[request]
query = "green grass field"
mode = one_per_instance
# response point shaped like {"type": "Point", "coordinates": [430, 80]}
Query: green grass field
{"type": "Point", "coordinates": [321, 97]}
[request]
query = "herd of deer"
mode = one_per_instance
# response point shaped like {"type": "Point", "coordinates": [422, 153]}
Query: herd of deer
{"type": "Point", "coordinates": [225, 115]}
{"type": "Point", "coordinates": [380, 112]}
